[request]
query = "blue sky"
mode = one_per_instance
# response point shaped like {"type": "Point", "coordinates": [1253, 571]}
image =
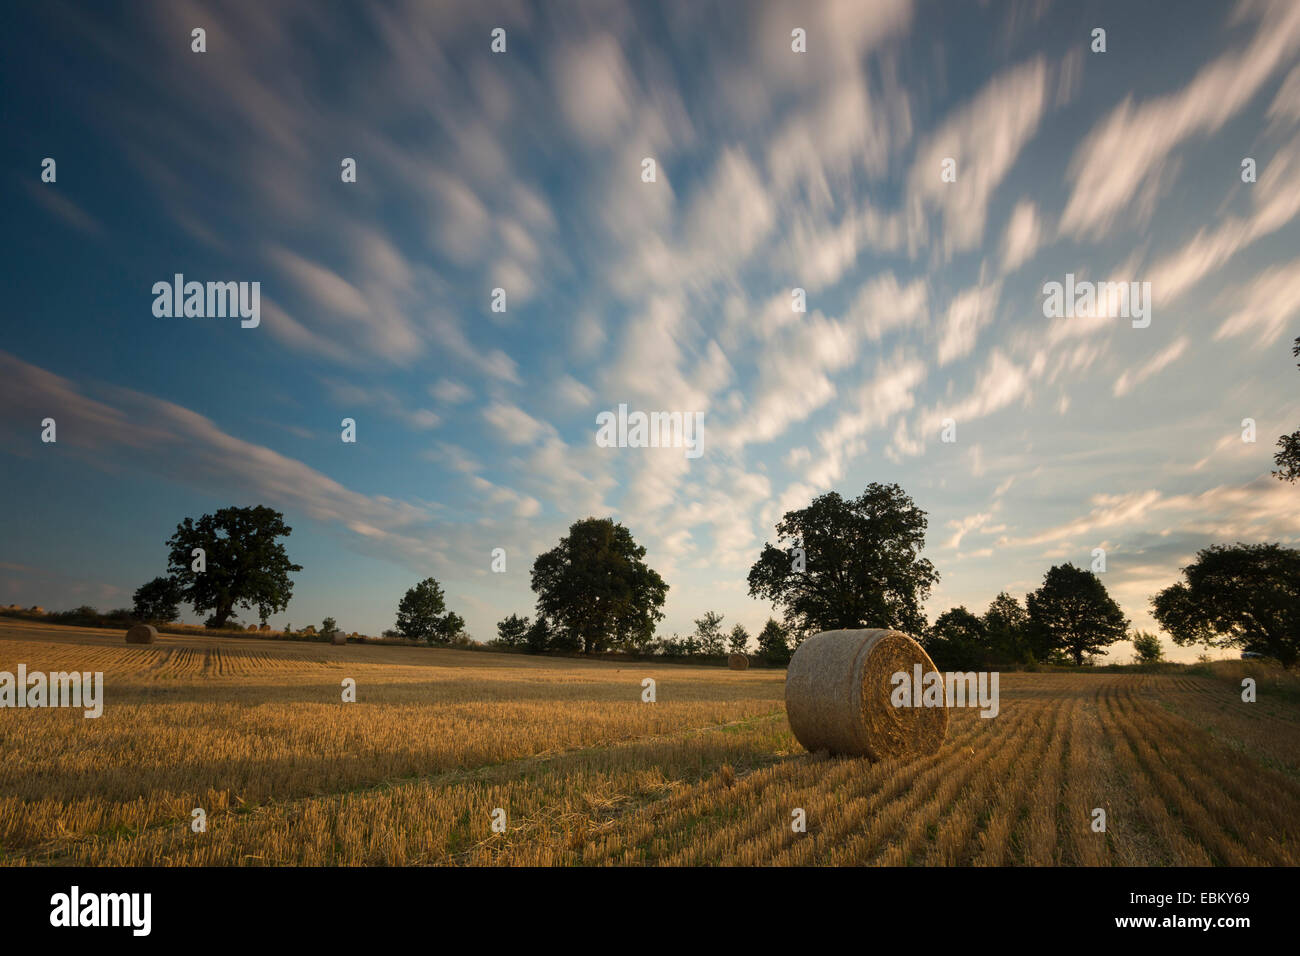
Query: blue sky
{"type": "Point", "coordinates": [522, 171]}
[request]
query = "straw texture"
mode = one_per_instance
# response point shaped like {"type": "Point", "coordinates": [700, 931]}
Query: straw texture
{"type": "Point", "coordinates": [142, 634]}
{"type": "Point", "coordinates": [837, 692]}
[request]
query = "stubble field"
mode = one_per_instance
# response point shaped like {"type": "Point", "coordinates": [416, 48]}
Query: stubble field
{"type": "Point", "coordinates": [255, 732]}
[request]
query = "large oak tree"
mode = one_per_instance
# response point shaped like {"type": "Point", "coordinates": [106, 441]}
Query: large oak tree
{"type": "Point", "coordinates": [422, 614]}
{"type": "Point", "coordinates": [596, 589]}
{"type": "Point", "coordinates": [242, 562]}
{"type": "Point", "coordinates": [158, 600]}
{"type": "Point", "coordinates": [1072, 612]}
{"type": "Point", "coordinates": [860, 564]}
{"type": "Point", "coordinates": [1245, 595]}
{"type": "Point", "coordinates": [957, 641]}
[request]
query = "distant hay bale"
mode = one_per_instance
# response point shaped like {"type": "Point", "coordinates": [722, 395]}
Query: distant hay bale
{"type": "Point", "coordinates": [338, 637]}
{"type": "Point", "coordinates": [142, 634]}
{"type": "Point", "coordinates": [252, 627]}
{"type": "Point", "coordinates": [36, 609]}
{"type": "Point", "coordinates": [264, 627]}
{"type": "Point", "coordinates": [837, 696]}
{"type": "Point", "coordinates": [738, 662]}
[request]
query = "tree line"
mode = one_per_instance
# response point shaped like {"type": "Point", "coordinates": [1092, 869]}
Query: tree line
{"type": "Point", "coordinates": [838, 563]}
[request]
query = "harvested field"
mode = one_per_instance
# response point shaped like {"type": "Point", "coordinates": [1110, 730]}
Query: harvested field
{"type": "Point", "coordinates": [254, 731]}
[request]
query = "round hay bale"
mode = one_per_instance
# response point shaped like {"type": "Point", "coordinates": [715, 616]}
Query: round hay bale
{"type": "Point", "coordinates": [251, 627]}
{"type": "Point", "coordinates": [738, 662]}
{"type": "Point", "coordinates": [142, 634]}
{"type": "Point", "coordinates": [338, 637]}
{"type": "Point", "coordinates": [837, 695]}
{"type": "Point", "coordinates": [264, 627]}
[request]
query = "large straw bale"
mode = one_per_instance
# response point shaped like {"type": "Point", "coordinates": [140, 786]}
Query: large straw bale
{"type": "Point", "coordinates": [142, 634]}
{"type": "Point", "coordinates": [737, 662]}
{"type": "Point", "coordinates": [338, 637]}
{"type": "Point", "coordinates": [837, 695]}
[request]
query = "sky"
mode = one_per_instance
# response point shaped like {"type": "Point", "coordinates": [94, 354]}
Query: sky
{"type": "Point", "coordinates": [523, 171]}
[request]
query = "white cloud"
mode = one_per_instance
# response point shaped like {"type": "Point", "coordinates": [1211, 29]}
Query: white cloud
{"type": "Point", "coordinates": [798, 456]}
{"type": "Point", "coordinates": [463, 224]}
{"type": "Point", "coordinates": [1165, 357]}
{"type": "Point", "coordinates": [1276, 201]}
{"type": "Point", "coordinates": [839, 33]}
{"type": "Point", "coordinates": [1259, 509]}
{"type": "Point", "coordinates": [1285, 108]}
{"type": "Point", "coordinates": [1022, 237]}
{"type": "Point", "coordinates": [1000, 384]}
{"type": "Point", "coordinates": [967, 314]}
{"type": "Point", "coordinates": [573, 393]}
{"type": "Point", "coordinates": [449, 392]}
{"type": "Point", "coordinates": [965, 526]}
{"type": "Point", "coordinates": [1265, 305]}
{"type": "Point", "coordinates": [594, 87]}
{"type": "Point", "coordinates": [984, 137]}
{"type": "Point", "coordinates": [521, 505]}
{"type": "Point", "coordinates": [794, 377]}
{"type": "Point", "coordinates": [151, 437]}
{"type": "Point", "coordinates": [882, 306]}
{"type": "Point", "coordinates": [818, 148]}
{"type": "Point", "coordinates": [730, 215]}
{"type": "Point", "coordinates": [494, 363]}
{"type": "Point", "coordinates": [1132, 145]}
{"type": "Point", "coordinates": [322, 287]}
{"type": "Point", "coordinates": [515, 425]}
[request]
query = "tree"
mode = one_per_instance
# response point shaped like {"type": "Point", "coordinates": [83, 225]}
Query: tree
{"type": "Point", "coordinates": [1245, 596]}
{"type": "Point", "coordinates": [673, 646]}
{"type": "Point", "coordinates": [773, 643]}
{"type": "Point", "coordinates": [513, 631]}
{"type": "Point", "coordinates": [739, 640]}
{"type": "Point", "coordinates": [159, 600]}
{"type": "Point", "coordinates": [1006, 626]}
{"type": "Point", "coordinates": [538, 637]}
{"type": "Point", "coordinates": [860, 564]}
{"type": "Point", "coordinates": [422, 614]}
{"type": "Point", "coordinates": [1072, 612]}
{"type": "Point", "coordinates": [329, 626]}
{"type": "Point", "coordinates": [1147, 649]}
{"type": "Point", "coordinates": [596, 589]}
{"type": "Point", "coordinates": [242, 565]}
{"type": "Point", "coordinates": [1288, 455]}
{"type": "Point", "coordinates": [642, 640]}
{"type": "Point", "coordinates": [708, 632]}
{"type": "Point", "coordinates": [957, 641]}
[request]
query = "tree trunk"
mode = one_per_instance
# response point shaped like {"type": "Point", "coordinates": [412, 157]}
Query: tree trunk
{"type": "Point", "coordinates": [222, 614]}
